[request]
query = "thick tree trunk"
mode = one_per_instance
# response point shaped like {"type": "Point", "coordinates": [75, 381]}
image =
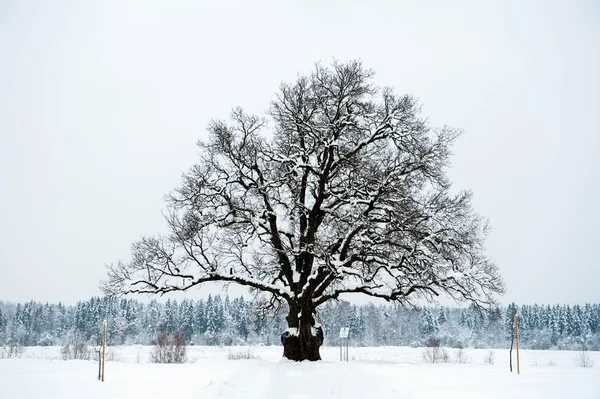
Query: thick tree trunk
{"type": "Point", "coordinates": [302, 340]}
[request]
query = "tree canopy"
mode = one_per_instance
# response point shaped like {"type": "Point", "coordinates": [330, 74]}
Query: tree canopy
{"type": "Point", "coordinates": [341, 188]}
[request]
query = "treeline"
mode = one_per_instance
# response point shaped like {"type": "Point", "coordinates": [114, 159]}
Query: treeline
{"type": "Point", "coordinates": [222, 321]}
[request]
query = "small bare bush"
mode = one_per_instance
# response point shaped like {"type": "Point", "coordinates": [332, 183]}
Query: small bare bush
{"type": "Point", "coordinates": [445, 356]}
{"type": "Point", "coordinates": [489, 358]}
{"type": "Point", "coordinates": [168, 348]}
{"type": "Point", "coordinates": [583, 359]}
{"type": "Point", "coordinates": [238, 354]}
{"type": "Point", "coordinates": [81, 351]}
{"type": "Point", "coordinates": [111, 354]}
{"type": "Point", "coordinates": [433, 353]}
{"type": "Point", "coordinates": [65, 352]}
{"type": "Point", "coordinates": [75, 351]}
{"type": "Point", "coordinates": [12, 349]}
{"type": "Point", "coordinates": [551, 363]}
{"type": "Point", "coordinates": [461, 357]}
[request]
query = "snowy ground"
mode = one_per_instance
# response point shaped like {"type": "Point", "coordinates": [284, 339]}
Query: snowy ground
{"type": "Point", "coordinates": [372, 373]}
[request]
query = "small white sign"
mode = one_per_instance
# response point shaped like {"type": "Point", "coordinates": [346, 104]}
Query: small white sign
{"type": "Point", "coordinates": [344, 331]}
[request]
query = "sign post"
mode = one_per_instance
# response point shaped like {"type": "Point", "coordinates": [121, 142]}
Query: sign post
{"type": "Point", "coordinates": [344, 335]}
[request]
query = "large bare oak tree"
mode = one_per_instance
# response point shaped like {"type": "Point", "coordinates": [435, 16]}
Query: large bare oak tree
{"type": "Point", "coordinates": [347, 193]}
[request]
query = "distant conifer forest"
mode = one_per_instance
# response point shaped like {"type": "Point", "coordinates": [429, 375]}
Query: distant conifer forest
{"type": "Point", "coordinates": [220, 320]}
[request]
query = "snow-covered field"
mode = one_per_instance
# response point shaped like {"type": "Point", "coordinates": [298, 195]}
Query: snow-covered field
{"type": "Point", "coordinates": [388, 372]}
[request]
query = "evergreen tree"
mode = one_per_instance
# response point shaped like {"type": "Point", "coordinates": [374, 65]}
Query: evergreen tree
{"type": "Point", "coordinates": [555, 325]}
{"type": "Point", "coordinates": [576, 324]}
{"type": "Point", "coordinates": [494, 315]}
{"type": "Point", "coordinates": [442, 318]}
{"type": "Point", "coordinates": [509, 321]}
{"type": "Point", "coordinates": [259, 325]}
{"type": "Point", "coordinates": [3, 324]}
{"type": "Point", "coordinates": [357, 325]}
{"type": "Point", "coordinates": [429, 326]}
{"type": "Point", "coordinates": [591, 318]}
{"type": "Point", "coordinates": [26, 322]}
{"type": "Point", "coordinates": [200, 318]}
{"type": "Point", "coordinates": [187, 319]}
{"type": "Point", "coordinates": [227, 305]}
{"type": "Point", "coordinates": [594, 319]}
{"type": "Point", "coordinates": [464, 320]}
{"type": "Point", "coordinates": [568, 317]}
{"type": "Point", "coordinates": [548, 320]}
{"type": "Point", "coordinates": [373, 326]}
{"type": "Point", "coordinates": [116, 322]}
{"type": "Point", "coordinates": [219, 313]}
{"type": "Point", "coordinates": [17, 332]}
{"type": "Point", "coordinates": [535, 318]}
{"type": "Point", "coordinates": [214, 308]}
{"type": "Point", "coordinates": [243, 318]}
{"type": "Point", "coordinates": [171, 323]}
{"type": "Point", "coordinates": [63, 320]}
{"type": "Point", "coordinates": [37, 323]}
{"type": "Point", "coordinates": [563, 323]}
{"type": "Point", "coordinates": [94, 316]}
{"type": "Point", "coordinates": [129, 314]}
{"type": "Point", "coordinates": [478, 319]}
{"type": "Point", "coordinates": [152, 320]}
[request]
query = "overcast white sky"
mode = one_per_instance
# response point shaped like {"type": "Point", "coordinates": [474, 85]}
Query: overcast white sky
{"type": "Point", "coordinates": [101, 104]}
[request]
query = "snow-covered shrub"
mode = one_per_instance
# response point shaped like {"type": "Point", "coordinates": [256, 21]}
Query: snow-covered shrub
{"type": "Point", "coordinates": [65, 352]}
{"type": "Point", "coordinates": [245, 353]}
{"type": "Point", "coordinates": [12, 349]}
{"type": "Point", "coordinates": [434, 353]}
{"type": "Point", "coordinates": [76, 351]}
{"type": "Point", "coordinates": [461, 357]}
{"type": "Point", "coordinates": [583, 359]}
{"type": "Point", "coordinates": [168, 348]}
{"type": "Point", "coordinates": [112, 354]}
{"type": "Point", "coordinates": [489, 358]}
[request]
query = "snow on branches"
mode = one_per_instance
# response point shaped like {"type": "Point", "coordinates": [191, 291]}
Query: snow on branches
{"type": "Point", "coordinates": [348, 195]}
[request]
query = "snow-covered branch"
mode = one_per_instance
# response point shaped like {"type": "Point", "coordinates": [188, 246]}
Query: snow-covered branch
{"type": "Point", "coordinates": [348, 195]}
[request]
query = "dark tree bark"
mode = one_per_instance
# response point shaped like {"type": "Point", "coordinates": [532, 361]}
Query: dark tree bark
{"type": "Point", "coordinates": [304, 337]}
{"type": "Point", "coordinates": [349, 196]}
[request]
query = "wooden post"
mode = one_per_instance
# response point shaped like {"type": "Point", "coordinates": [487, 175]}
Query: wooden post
{"type": "Point", "coordinates": [517, 334]}
{"type": "Point", "coordinates": [103, 349]}
{"type": "Point", "coordinates": [99, 363]}
{"type": "Point", "coordinates": [512, 341]}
